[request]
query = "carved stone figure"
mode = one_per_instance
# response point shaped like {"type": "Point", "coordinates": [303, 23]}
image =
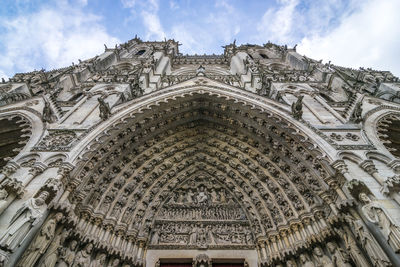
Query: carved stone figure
{"type": "Point", "coordinates": [374, 251]}
{"type": "Point", "coordinates": [82, 258]}
{"type": "Point", "coordinates": [305, 261]}
{"type": "Point", "coordinates": [340, 258]}
{"type": "Point", "coordinates": [99, 261]}
{"type": "Point", "coordinates": [51, 256]}
{"type": "Point", "coordinates": [23, 220]}
{"type": "Point", "coordinates": [376, 214]}
{"type": "Point", "coordinates": [297, 108]}
{"type": "Point", "coordinates": [47, 115]}
{"type": "Point", "coordinates": [201, 195]}
{"type": "Point", "coordinates": [105, 110]}
{"type": "Point", "coordinates": [41, 242]}
{"type": "Point", "coordinates": [322, 259]}
{"type": "Point", "coordinates": [351, 245]}
{"type": "Point", "coordinates": [115, 262]}
{"type": "Point", "coordinates": [68, 255]}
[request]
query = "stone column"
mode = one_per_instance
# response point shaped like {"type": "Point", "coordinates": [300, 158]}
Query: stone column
{"type": "Point", "coordinates": [37, 169]}
{"type": "Point", "coordinates": [15, 188]}
{"type": "Point", "coordinates": [341, 167]}
{"type": "Point", "coordinates": [369, 167]}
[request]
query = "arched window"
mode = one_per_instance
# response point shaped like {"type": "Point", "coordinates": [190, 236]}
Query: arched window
{"type": "Point", "coordinates": [140, 52]}
{"type": "Point", "coordinates": [14, 134]}
{"type": "Point", "coordinates": [388, 129]}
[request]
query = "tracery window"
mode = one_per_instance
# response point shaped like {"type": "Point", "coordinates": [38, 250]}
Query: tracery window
{"type": "Point", "coordinates": [388, 129]}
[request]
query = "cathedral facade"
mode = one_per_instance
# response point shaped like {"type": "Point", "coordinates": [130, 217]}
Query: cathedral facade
{"type": "Point", "coordinates": [142, 156]}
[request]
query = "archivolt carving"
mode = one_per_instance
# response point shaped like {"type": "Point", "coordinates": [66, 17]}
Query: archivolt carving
{"type": "Point", "coordinates": [271, 172]}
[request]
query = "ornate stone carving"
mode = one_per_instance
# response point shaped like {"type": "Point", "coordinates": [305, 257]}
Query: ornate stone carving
{"type": "Point", "coordinates": [297, 108]}
{"type": "Point", "coordinates": [56, 140]}
{"type": "Point", "coordinates": [41, 243]}
{"type": "Point", "coordinates": [376, 213]}
{"type": "Point", "coordinates": [23, 220]}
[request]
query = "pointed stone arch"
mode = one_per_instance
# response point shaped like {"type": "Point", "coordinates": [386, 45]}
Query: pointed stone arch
{"type": "Point", "coordinates": [275, 172]}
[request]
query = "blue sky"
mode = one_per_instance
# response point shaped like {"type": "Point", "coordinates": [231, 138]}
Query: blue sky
{"type": "Point", "coordinates": [51, 34]}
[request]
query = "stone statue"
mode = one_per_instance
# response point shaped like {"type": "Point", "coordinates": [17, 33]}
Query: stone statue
{"type": "Point", "coordinates": [105, 110]}
{"type": "Point", "coordinates": [305, 262]}
{"type": "Point", "coordinates": [99, 261]}
{"type": "Point", "coordinates": [356, 117]}
{"type": "Point", "coordinates": [374, 251]}
{"type": "Point", "coordinates": [375, 213]}
{"type": "Point", "coordinates": [51, 256]}
{"type": "Point", "coordinates": [214, 196]}
{"type": "Point", "coordinates": [352, 247]}
{"type": "Point", "coordinates": [189, 196]}
{"type": "Point", "coordinates": [340, 258]}
{"type": "Point", "coordinates": [222, 196]}
{"type": "Point", "coordinates": [193, 236]}
{"type": "Point", "coordinates": [41, 242]}
{"type": "Point", "coordinates": [68, 255]}
{"type": "Point", "coordinates": [3, 198]}
{"type": "Point", "coordinates": [201, 196]}
{"type": "Point", "coordinates": [23, 220]}
{"type": "Point", "coordinates": [290, 263]}
{"type": "Point", "coordinates": [47, 115]}
{"type": "Point", "coordinates": [322, 259]}
{"type": "Point", "coordinates": [297, 108]}
{"type": "Point", "coordinates": [115, 262]}
{"type": "Point", "coordinates": [82, 258]}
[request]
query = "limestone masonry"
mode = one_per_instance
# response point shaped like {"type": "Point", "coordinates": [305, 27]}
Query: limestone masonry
{"type": "Point", "coordinates": [143, 156]}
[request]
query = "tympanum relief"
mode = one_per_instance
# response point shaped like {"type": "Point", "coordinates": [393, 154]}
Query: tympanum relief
{"type": "Point", "coordinates": [201, 213]}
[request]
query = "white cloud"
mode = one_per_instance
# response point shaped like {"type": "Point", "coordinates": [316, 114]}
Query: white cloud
{"type": "Point", "coordinates": [277, 23]}
{"type": "Point", "coordinates": [52, 37]}
{"type": "Point", "coordinates": [153, 26]}
{"type": "Point", "coordinates": [369, 37]}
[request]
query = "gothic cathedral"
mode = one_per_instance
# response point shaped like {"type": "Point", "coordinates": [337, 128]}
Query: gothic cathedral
{"type": "Point", "coordinates": [142, 156]}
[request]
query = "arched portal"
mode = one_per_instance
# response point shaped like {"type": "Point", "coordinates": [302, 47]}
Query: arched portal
{"type": "Point", "coordinates": [202, 172]}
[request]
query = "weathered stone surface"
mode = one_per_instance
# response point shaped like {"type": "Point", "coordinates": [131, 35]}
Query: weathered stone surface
{"type": "Point", "coordinates": [259, 157]}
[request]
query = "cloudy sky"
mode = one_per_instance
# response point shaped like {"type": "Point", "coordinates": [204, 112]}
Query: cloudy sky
{"type": "Point", "coordinates": [37, 34]}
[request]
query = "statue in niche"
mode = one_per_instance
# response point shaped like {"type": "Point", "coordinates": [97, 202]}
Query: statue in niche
{"type": "Point", "coordinates": [39, 245]}
{"type": "Point", "coordinates": [297, 108]}
{"type": "Point", "coordinates": [189, 196]}
{"type": "Point", "coordinates": [201, 195]}
{"type": "Point", "coordinates": [22, 222]}
{"type": "Point", "coordinates": [374, 251]}
{"type": "Point", "coordinates": [351, 246]}
{"type": "Point", "coordinates": [82, 258]}
{"type": "Point", "coordinates": [67, 256]}
{"type": "Point", "coordinates": [322, 259]}
{"type": "Point", "coordinates": [214, 196]}
{"type": "Point", "coordinates": [51, 256]}
{"type": "Point", "coordinates": [375, 213]}
{"type": "Point", "coordinates": [99, 261]}
{"type": "Point", "coordinates": [340, 258]}
{"type": "Point", "coordinates": [155, 237]}
{"type": "Point", "coordinates": [305, 261]}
